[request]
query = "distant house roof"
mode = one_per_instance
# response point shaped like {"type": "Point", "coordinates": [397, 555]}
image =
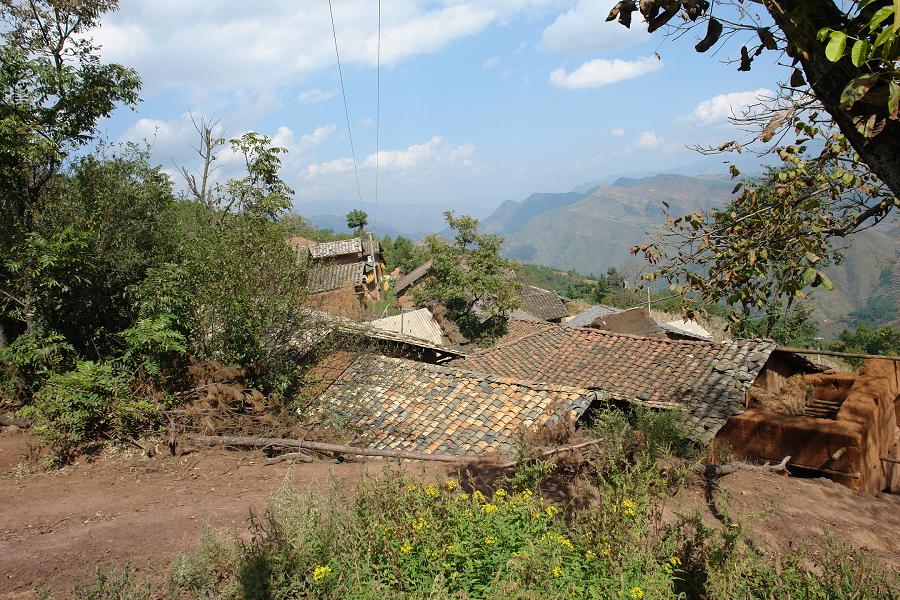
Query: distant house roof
{"type": "Point", "coordinates": [300, 242]}
{"type": "Point", "coordinates": [707, 379]}
{"type": "Point", "coordinates": [542, 303]}
{"type": "Point", "coordinates": [338, 248]}
{"type": "Point", "coordinates": [412, 277]}
{"type": "Point", "coordinates": [371, 248]}
{"type": "Point", "coordinates": [687, 329]}
{"type": "Point", "coordinates": [416, 323]}
{"type": "Point", "coordinates": [329, 277]}
{"type": "Point", "coordinates": [406, 405]}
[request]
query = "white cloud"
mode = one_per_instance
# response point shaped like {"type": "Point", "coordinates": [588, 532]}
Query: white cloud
{"type": "Point", "coordinates": [432, 154]}
{"type": "Point", "coordinates": [617, 131]}
{"type": "Point", "coordinates": [718, 109]}
{"type": "Point", "coordinates": [583, 28]}
{"type": "Point", "coordinates": [210, 45]}
{"type": "Point", "coordinates": [490, 63]}
{"type": "Point", "coordinates": [648, 139]}
{"type": "Point", "coordinates": [599, 72]}
{"type": "Point", "coordinates": [316, 95]}
{"type": "Point", "coordinates": [367, 121]}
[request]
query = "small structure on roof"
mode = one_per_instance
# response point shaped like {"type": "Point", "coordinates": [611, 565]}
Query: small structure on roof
{"type": "Point", "coordinates": [598, 313]}
{"type": "Point", "coordinates": [418, 323]}
{"type": "Point", "coordinates": [396, 404]}
{"type": "Point", "coordinates": [708, 380]}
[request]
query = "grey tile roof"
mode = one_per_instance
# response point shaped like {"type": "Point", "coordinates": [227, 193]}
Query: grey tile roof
{"type": "Point", "coordinates": [328, 277]}
{"type": "Point", "coordinates": [412, 277]}
{"type": "Point", "coordinates": [706, 379]}
{"type": "Point", "coordinates": [542, 303]}
{"type": "Point", "coordinates": [406, 405]}
{"type": "Point", "coordinates": [338, 248]}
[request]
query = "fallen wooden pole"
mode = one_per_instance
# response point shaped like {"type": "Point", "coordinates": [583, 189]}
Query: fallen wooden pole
{"type": "Point", "coordinates": [719, 470]}
{"type": "Point", "coordinates": [260, 442]}
{"type": "Point", "coordinates": [553, 451]}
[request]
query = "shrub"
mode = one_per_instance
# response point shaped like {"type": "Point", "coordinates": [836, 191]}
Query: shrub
{"type": "Point", "coordinates": [30, 360]}
{"type": "Point", "coordinates": [93, 400]}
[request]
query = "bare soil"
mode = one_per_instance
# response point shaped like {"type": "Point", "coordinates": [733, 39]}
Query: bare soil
{"type": "Point", "coordinates": [57, 527]}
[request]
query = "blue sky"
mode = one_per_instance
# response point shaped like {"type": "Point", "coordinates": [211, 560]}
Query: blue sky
{"type": "Point", "coordinates": [481, 101]}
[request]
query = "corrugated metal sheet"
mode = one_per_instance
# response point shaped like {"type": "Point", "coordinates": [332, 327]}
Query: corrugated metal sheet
{"type": "Point", "coordinates": [419, 324]}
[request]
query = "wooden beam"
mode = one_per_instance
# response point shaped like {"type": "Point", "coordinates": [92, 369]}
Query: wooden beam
{"type": "Point", "coordinates": [834, 353]}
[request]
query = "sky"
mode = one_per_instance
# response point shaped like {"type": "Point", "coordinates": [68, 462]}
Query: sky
{"type": "Point", "coordinates": [481, 101]}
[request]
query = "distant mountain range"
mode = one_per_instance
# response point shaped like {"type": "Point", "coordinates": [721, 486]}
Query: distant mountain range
{"type": "Point", "coordinates": [595, 227]}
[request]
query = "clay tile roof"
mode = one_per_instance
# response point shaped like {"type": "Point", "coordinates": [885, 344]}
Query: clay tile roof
{"type": "Point", "coordinates": [706, 379]}
{"type": "Point", "coordinates": [687, 329]}
{"type": "Point", "coordinates": [412, 277]}
{"type": "Point", "coordinates": [338, 248]}
{"type": "Point", "coordinates": [542, 303]}
{"type": "Point", "coordinates": [400, 404]}
{"type": "Point", "coordinates": [591, 314]}
{"type": "Point", "coordinates": [516, 329]}
{"type": "Point", "coordinates": [332, 277]}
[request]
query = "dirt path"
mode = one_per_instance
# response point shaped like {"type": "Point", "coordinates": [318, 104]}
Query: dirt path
{"type": "Point", "coordinates": [56, 528]}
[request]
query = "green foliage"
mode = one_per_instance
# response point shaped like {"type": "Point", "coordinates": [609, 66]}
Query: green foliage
{"type": "Point", "coordinates": [791, 326]}
{"type": "Point", "coordinates": [54, 90]}
{"type": "Point", "coordinates": [868, 341]}
{"type": "Point", "coordinates": [261, 192]}
{"type": "Point", "coordinates": [471, 278]}
{"type": "Point", "coordinates": [403, 253]}
{"type": "Point", "coordinates": [118, 585]}
{"type": "Point", "coordinates": [765, 245]}
{"type": "Point", "coordinates": [568, 284]}
{"type": "Point", "coordinates": [30, 360]}
{"type": "Point", "coordinates": [239, 288]}
{"type": "Point", "coordinates": [357, 219]}
{"type": "Point", "coordinates": [91, 401]}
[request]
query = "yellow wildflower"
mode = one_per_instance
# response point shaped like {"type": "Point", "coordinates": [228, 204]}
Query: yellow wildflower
{"type": "Point", "coordinates": [628, 503]}
{"type": "Point", "coordinates": [411, 488]}
{"type": "Point", "coordinates": [637, 592]}
{"type": "Point", "coordinates": [405, 548]}
{"type": "Point", "coordinates": [451, 484]}
{"type": "Point", "coordinates": [464, 497]}
{"type": "Point", "coordinates": [490, 540]}
{"type": "Point", "coordinates": [432, 491]}
{"type": "Point", "coordinates": [590, 555]}
{"type": "Point", "coordinates": [450, 549]}
{"type": "Point", "coordinates": [605, 551]}
{"type": "Point", "coordinates": [675, 561]}
{"type": "Point", "coordinates": [477, 496]}
{"type": "Point", "coordinates": [526, 494]}
{"type": "Point", "coordinates": [564, 541]}
{"type": "Point", "coordinates": [419, 523]}
{"type": "Point", "coordinates": [321, 573]}
{"type": "Point", "coordinates": [489, 508]}
{"type": "Point", "coordinates": [557, 571]}
{"type": "Point", "coordinates": [500, 494]}
{"type": "Point", "coordinates": [552, 511]}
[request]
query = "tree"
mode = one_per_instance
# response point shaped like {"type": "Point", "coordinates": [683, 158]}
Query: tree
{"type": "Point", "coordinates": [406, 254]}
{"type": "Point", "coordinates": [54, 89]}
{"type": "Point", "coordinates": [789, 326]}
{"type": "Point", "coordinates": [866, 340]}
{"type": "Point", "coordinates": [357, 219]}
{"type": "Point", "coordinates": [471, 278]}
{"type": "Point", "coordinates": [859, 88]}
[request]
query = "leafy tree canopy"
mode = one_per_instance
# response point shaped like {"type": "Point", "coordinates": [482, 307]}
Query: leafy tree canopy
{"type": "Point", "coordinates": [357, 219]}
{"type": "Point", "coordinates": [471, 278]}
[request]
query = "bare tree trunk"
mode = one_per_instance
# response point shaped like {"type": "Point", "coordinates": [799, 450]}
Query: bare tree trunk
{"type": "Point", "coordinates": [801, 20]}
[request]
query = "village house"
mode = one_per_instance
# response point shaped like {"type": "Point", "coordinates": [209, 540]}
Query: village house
{"type": "Point", "coordinates": [346, 277]}
{"type": "Point", "coordinates": [637, 321]}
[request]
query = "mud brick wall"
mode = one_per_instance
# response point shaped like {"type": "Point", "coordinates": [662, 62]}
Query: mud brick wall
{"type": "Point", "coordinates": [344, 302]}
{"type": "Point", "coordinates": [848, 448]}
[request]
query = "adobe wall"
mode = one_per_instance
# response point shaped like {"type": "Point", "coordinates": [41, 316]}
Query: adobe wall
{"type": "Point", "coordinates": [848, 448]}
{"type": "Point", "coordinates": [344, 302]}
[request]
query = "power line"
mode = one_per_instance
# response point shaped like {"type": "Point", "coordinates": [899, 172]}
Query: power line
{"type": "Point", "coordinates": [377, 115]}
{"type": "Point", "coordinates": [346, 110]}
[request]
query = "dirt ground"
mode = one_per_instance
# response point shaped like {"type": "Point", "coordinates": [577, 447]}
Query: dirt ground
{"type": "Point", "coordinates": [57, 528]}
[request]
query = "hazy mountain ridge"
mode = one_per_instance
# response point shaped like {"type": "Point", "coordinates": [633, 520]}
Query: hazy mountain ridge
{"type": "Point", "coordinates": [590, 232]}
